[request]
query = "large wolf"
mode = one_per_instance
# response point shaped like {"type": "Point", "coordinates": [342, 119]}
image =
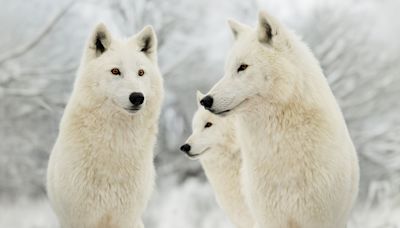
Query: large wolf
{"type": "Point", "coordinates": [101, 170]}
{"type": "Point", "coordinates": [299, 164]}
{"type": "Point", "coordinates": [213, 141]}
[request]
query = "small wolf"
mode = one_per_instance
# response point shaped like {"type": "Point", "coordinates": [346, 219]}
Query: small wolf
{"type": "Point", "coordinates": [213, 141]}
{"type": "Point", "coordinates": [101, 171]}
{"type": "Point", "coordinates": [299, 164]}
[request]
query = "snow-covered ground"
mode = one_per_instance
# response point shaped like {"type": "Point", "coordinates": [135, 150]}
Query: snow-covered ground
{"type": "Point", "coordinates": [192, 205]}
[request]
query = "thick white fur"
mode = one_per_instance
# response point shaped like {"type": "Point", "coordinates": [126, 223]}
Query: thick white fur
{"type": "Point", "coordinates": [219, 154]}
{"type": "Point", "coordinates": [101, 171]}
{"type": "Point", "coordinates": [299, 164]}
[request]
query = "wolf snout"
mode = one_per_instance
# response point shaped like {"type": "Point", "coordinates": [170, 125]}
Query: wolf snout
{"type": "Point", "coordinates": [136, 98]}
{"type": "Point", "coordinates": [185, 148]}
{"type": "Point", "coordinates": [207, 102]}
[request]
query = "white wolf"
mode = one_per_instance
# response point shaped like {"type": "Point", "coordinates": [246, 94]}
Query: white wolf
{"type": "Point", "coordinates": [101, 170]}
{"type": "Point", "coordinates": [213, 141]}
{"type": "Point", "coordinates": [300, 166]}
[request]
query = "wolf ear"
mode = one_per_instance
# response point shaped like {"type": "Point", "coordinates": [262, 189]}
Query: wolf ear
{"type": "Point", "coordinates": [236, 27]}
{"type": "Point", "coordinates": [100, 40]}
{"type": "Point", "coordinates": [267, 27]}
{"type": "Point", "coordinates": [147, 41]}
{"type": "Point", "coordinates": [199, 96]}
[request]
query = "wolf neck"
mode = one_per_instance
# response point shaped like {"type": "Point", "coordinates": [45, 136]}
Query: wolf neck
{"type": "Point", "coordinates": [100, 116]}
{"type": "Point", "coordinates": [273, 130]}
{"type": "Point", "coordinates": [218, 160]}
{"type": "Point", "coordinates": [222, 167]}
{"type": "Point", "coordinates": [222, 151]}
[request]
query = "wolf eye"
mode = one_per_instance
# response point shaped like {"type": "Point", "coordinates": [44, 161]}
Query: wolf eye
{"type": "Point", "coordinates": [140, 72]}
{"type": "Point", "coordinates": [242, 67]}
{"type": "Point", "coordinates": [115, 71]}
{"type": "Point", "coordinates": [208, 124]}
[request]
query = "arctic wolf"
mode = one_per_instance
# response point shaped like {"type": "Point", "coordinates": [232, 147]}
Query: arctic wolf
{"type": "Point", "coordinates": [213, 141]}
{"type": "Point", "coordinates": [300, 166]}
{"type": "Point", "coordinates": [101, 170]}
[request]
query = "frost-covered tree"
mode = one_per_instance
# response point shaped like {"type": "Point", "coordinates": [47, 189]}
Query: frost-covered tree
{"type": "Point", "coordinates": [355, 41]}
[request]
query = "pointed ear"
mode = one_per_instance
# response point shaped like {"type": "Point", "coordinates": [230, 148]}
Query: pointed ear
{"type": "Point", "coordinates": [147, 41]}
{"type": "Point", "coordinates": [100, 40]}
{"type": "Point", "coordinates": [237, 27]}
{"type": "Point", "coordinates": [267, 27]}
{"type": "Point", "coordinates": [199, 96]}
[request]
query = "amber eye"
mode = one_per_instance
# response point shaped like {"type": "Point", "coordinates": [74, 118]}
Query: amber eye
{"type": "Point", "coordinates": [208, 124]}
{"type": "Point", "coordinates": [115, 71]}
{"type": "Point", "coordinates": [242, 67]}
{"type": "Point", "coordinates": [141, 72]}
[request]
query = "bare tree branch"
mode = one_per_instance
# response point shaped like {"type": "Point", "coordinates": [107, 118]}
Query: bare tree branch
{"type": "Point", "coordinates": [45, 31]}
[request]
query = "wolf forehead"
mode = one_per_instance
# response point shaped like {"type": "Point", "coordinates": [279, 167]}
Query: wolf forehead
{"type": "Point", "coordinates": [201, 116]}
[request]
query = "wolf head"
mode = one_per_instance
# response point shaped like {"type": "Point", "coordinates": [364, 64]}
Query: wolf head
{"type": "Point", "coordinates": [209, 132]}
{"type": "Point", "coordinates": [123, 73]}
{"type": "Point", "coordinates": [259, 65]}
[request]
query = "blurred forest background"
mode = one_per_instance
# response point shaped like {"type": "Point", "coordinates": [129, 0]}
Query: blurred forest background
{"type": "Point", "coordinates": [357, 43]}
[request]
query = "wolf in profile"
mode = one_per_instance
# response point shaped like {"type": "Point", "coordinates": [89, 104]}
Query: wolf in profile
{"type": "Point", "coordinates": [300, 168]}
{"type": "Point", "coordinates": [214, 142]}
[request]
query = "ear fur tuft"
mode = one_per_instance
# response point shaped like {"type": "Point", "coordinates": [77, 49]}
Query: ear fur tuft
{"type": "Point", "coordinates": [199, 96]}
{"type": "Point", "coordinates": [267, 27]}
{"type": "Point", "coordinates": [147, 41]}
{"type": "Point", "coordinates": [101, 39]}
{"type": "Point", "coordinates": [237, 27]}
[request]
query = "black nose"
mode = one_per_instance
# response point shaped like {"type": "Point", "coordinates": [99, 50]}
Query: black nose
{"type": "Point", "coordinates": [136, 98]}
{"type": "Point", "coordinates": [207, 102]}
{"type": "Point", "coordinates": [185, 148]}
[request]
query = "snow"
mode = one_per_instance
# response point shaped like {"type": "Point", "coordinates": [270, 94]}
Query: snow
{"type": "Point", "coordinates": [355, 41]}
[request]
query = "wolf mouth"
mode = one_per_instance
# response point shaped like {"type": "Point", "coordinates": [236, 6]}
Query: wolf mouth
{"type": "Point", "coordinates": [222, 113]}
{"type": "Point", "coordinates": [195, 156]}
{"type": "Point", "coordinates": [133, 109]}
